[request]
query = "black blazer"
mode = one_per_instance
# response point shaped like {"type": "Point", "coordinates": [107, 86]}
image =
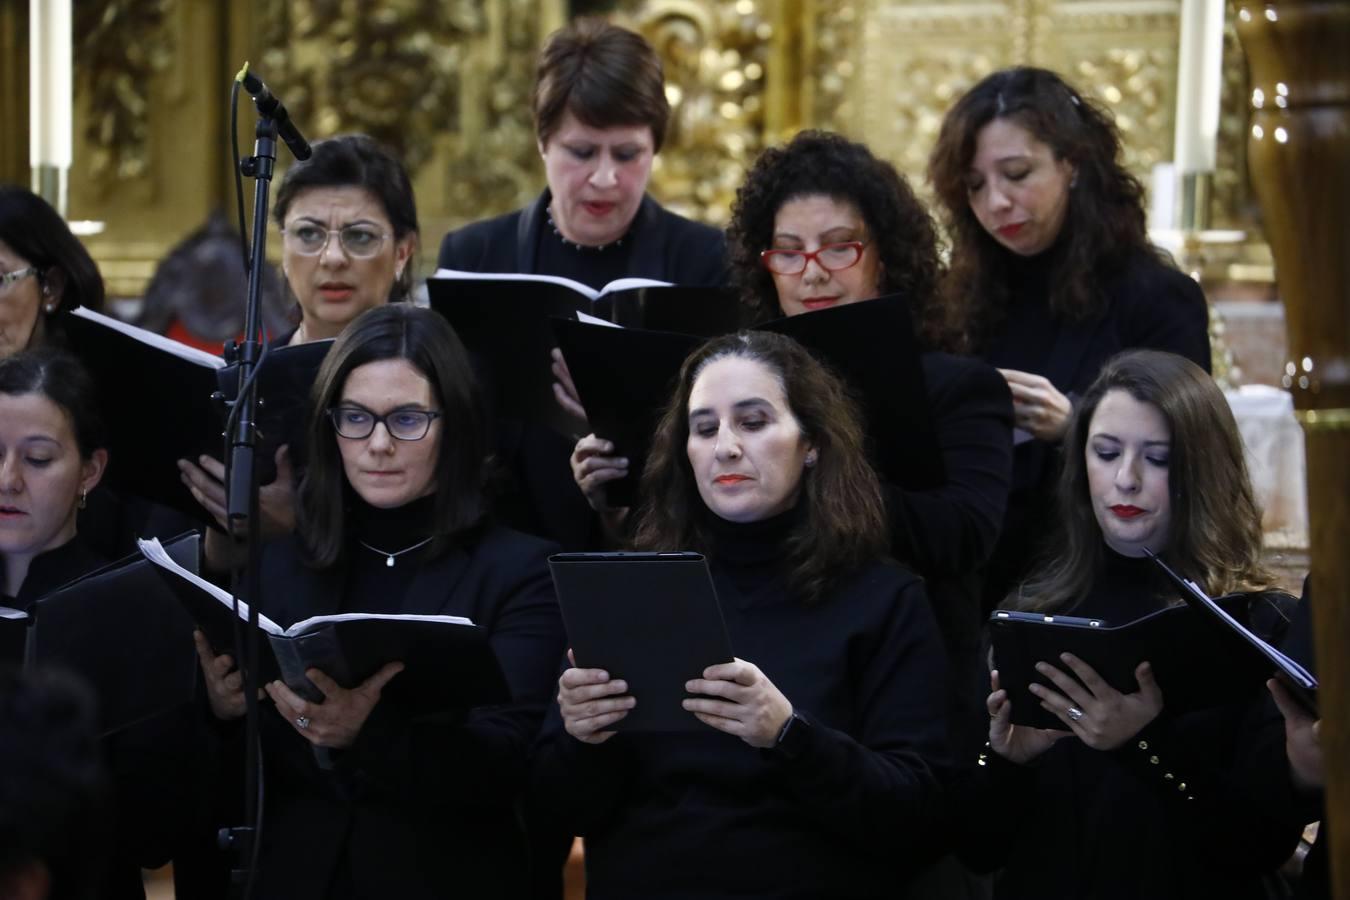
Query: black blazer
{"type": "Point", "coordinates": [666, 246]}
{"type": "Point", "coordinates": [422, 808]}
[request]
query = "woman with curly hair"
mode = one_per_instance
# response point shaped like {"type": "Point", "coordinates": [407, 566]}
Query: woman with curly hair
{"type": "Point", "coordinates": [1051, 269]}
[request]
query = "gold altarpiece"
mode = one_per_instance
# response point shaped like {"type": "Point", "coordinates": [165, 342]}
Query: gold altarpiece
{"type": "Point", "coordinates": [447, 82]}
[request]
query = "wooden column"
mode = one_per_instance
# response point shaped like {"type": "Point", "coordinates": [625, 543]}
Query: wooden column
{"type": "Point", "coordinates": [1299, 154]}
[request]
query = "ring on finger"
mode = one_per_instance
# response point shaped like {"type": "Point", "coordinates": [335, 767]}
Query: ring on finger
{"type": "Point", "coordinates": [1074, 713]}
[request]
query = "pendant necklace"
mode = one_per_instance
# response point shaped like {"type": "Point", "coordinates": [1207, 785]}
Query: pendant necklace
{"type": "Point", "coordinates": [390, 557]}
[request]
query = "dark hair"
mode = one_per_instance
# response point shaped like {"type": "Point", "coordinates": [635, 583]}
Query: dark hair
{"type": "Point", "coordinates": [35, 231]}
{"type": "Point", "coordinates": [604, 75]}
{"type": "Point", "coordinates": [59, 377]}
{"type": "Point", "coordinates": [430, 345]}
{"type": "Point", "coordinates": [1215, 533]}
{"type": "Point", "coordinates": [843, 524]}
{"type": "Point", "coordinates": [357, 160]}
{"type": "Point", "coordinates": [53, 792]}
{"type": "Point", "coordinates": [898, 225]}
{"type": "Point", "coordinates": [1104, 222]}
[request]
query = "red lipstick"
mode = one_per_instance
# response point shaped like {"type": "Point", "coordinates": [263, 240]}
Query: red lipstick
{"type": "Point", "coordinates": [1125, 511]}
{"type": "Point", "coordinates": [731, 479]}
{"type": "Point", "coordinates": [1010, 231]}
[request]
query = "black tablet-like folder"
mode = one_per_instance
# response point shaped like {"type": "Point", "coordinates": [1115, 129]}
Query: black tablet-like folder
{"type": "Point", "coordinates": [120, 630]}
{"type": "Point", "coordinates": [651, 619]}
{"type": "Point", "coordinates": [157, 400]}
{"type": "Point", "coordinates": [625, 378]}
{"type": "Point", "coordinates": [1195, 665]}
{"type": "Point", "coordinates": [448, 664]}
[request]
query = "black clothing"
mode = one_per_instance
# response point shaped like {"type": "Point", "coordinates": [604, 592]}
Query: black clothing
{"type": "Point", "coordinates": [420, 808]}
{"type": "Point", "coordinates": [946, 534]}
{"type": "Point", "coordinates": [1147, 305]}
{"type": "Point", "coordinates": [148, 764]}
{"type": "Point", "coordinates": [1180, 810]}
{"type": "Point", "coordinates": [540, 496]}
{"type": "Point", "coordinates": [659, 245]}
{"type": "Point", "coordinates": [706, 815]}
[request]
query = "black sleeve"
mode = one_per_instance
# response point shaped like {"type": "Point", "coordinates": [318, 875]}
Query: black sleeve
{"type": "Point", "coordinates": [1214, 769]}
{"type": "Point", "coordinates": [880, 787]}
{"type": "Point", "coordinates": [465, 249]}
{"type": "Point", "coordinates": [579, 784]}
{"type": "Point", "coordinates": [474, 760]}
{"type": "Point", "coordinates": [1166, 310]}
{"type": "Point", "coordinates": [702, 257]}
{"type": "Point", "coordinates": [952, 529]}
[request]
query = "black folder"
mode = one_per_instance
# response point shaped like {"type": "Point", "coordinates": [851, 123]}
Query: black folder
{"type": "Point", "coordinates": [122, 631]}
{"type": "Point", "coordinates": [651, 619]}
{"type": "Point", "coordinates": [1301, 683]}
{"type": "Point", "coordinates": [448, 664]}
{"type": "Point", "coordinates": [1196, 666]}
{"type": "Point", "coordinates": [156, 396]}
{"type": "Point", "coordinates": [504, 324]}
{"type": "Point", "coordinates": [625, 377]}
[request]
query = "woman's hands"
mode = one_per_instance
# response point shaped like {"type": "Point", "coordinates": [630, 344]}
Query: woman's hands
{"type": "Point", "coordinates": [593, 468]}
{"type": "Point", "coordinates": [338, 719]}
{"type": "Point", "coordinates": [224, 683]}
{"type": "Point", "coordinates": [1038, 406]}
{"type": "Point", "coordinates": [590, 702]}
{"type": "Point", "coordinates": [1301, 739]}
{"type": "Point", "coordinates": [1102, 717]}
{"type": "Point", "coordinates": [740, 700]}
{"type": "Point", "coordinates": [276, 501]}
{"type": "Point", "coordinates": [1015, 743]}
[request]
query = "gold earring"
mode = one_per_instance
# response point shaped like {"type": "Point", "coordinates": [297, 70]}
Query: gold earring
{"type": "Point", "coordinates": [84, 498]}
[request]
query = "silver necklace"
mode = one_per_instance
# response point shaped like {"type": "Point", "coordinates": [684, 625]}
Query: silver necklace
{"type": "Point", "coordinates": [390, 557]}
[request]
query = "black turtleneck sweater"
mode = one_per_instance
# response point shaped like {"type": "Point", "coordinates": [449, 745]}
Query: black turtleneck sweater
{"type": "Point", "coordinates": [1187, 807]}
{"type": "Point", "coordinates": [50, 570]}
{"type": "Point", "coordinates": [1146, 304]}
{"type": "Point", "coordinates": [706, 815]}
{"type": "Point", "coordinates": [422, 807]}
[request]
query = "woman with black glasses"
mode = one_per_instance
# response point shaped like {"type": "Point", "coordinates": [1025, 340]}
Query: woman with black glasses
{"type": "Point", "coordinates": [361, 802]}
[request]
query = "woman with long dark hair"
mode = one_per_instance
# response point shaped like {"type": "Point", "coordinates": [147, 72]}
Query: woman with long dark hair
{"type": "Point", "coordinates": [817, 772]}
{"type": "Point", "coordinates": [1134, 799]}
{"type": "Point", "coordinates": [1051, 271]}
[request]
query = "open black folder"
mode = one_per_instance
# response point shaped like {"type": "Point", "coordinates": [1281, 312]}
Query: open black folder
{"type": "Point", "coordinates": [156, 397]}
{"type": "Point", "coordinates": [503, 321]}
{"type": "Point", "coordinates": [1301, 683]}
{"type": "Point", "coordinates": [448, 663]}
{"type": "Point", "coordinates": [651, 619]}
{"type": "Point", "coordinates": [118, 628]}
{"type": "Point", "coordinates": [625, 377]}
{"type": "Point", "coordinates": [1196, 666]}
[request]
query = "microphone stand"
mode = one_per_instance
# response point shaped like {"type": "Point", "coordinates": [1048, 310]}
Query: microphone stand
{"type": "Point", "coordinates": [242, 504]}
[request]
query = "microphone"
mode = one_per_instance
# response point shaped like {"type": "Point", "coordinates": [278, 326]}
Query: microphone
{"type": "Point", "coordinates": [269, 105]}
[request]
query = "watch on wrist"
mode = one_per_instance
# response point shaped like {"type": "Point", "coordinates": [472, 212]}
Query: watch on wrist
{"type": "Point", "coordinates": [793, 736]}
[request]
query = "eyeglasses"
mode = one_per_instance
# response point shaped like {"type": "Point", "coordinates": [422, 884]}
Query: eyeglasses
{"type": "Point", "coordinates": [830, 257]}
{"type": "Point", "coordinates": [356, 424]}
{"type": "Point", "coordinates": [358, 241]}
{"type": "Point", "coordinates": [10, 277]}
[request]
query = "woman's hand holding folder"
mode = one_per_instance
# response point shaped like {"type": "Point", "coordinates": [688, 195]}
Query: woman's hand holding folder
{"type": "Point", "coordinates": [738, 698]}
{"type": "Point", "coordinates": [276, 500]}
{"type": "Point", "coordinates": [1101, 716]}
{"type": "Point", "coordinates": [1015, 743]}
{"type": "Point", "coordinates": [1301, 739]}
{"type": "Point", "coordinates": [224, 681]}
{"type": "Point", "coordinates": [590, 702]}
{"type": "Point", "coordinates": [336, 721]}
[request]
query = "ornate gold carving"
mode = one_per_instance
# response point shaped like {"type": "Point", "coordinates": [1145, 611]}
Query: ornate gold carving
{"type": "Point", "coordinates": [715, 54]}
{"type": "Point", "coordinates": [120, 46]}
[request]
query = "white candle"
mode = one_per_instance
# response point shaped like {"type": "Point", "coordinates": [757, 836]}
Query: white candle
{"type": "Point", "coordinates": [1199, 71]}
{"type": "Point", "coordinates": [51, 96]}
